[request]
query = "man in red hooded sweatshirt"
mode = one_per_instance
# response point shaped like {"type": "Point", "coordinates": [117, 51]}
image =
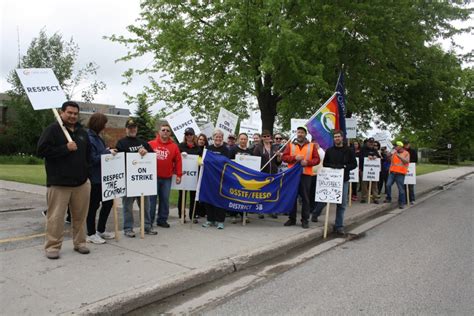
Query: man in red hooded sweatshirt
{"type": "Point", "coordinates": [168, 161]}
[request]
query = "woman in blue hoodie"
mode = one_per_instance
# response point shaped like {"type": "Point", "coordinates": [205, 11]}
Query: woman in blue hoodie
{"type": "Point", "coordinates": [96, 125]}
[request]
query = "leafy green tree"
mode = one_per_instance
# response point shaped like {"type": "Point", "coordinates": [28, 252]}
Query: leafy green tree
{"type": "Point", "coordinates": [45, 52]}
{"type": "Point", "coordinates": [284, 56]}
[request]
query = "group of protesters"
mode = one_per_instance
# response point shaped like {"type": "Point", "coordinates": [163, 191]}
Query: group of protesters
{"type": "Point", "coordinates": [74, 175]}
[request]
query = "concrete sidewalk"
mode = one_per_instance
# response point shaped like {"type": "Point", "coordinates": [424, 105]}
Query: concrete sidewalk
{"type": "Point", "coordinates": [120, 276]}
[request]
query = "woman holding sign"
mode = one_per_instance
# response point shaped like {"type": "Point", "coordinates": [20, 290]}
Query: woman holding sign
{"type": "Point", "coordinates": [96, 125]}
{"type": "Point", "coordinates": [188, 146]}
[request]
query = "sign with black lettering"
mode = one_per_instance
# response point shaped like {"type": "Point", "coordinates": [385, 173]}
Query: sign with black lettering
{"type": "Point", "coordinates": [371, 169]}
{"type": "Point", "coordinates": [295, 123]}
{"type": "Point", "coordinates": [190, 174]}
{"type": "Point", "coordinates": [42, 88]}
{"type": "Point", "coordinates": [141, 174]}
{"type": "Point", "coordinates": [112, 171]}
{"type": "Point", "coordinates": [250, 129]}
{"type": "Point", "coordinates": [180, 120]}
{"type": "Point", "coordinates": [354, 173]}
{"type": "Point", "coordinates": [207, 130]}
{"type": "Point", "coordinates": [351, 127]}
{"type": "Point", "coordinates": [329, 185]}
{"type": "Point", "coordinates": [227, 122]}
{"type": "Point", "coordinates": [410, 177]}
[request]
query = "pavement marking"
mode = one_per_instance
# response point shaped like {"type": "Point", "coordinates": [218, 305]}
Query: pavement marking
{"type": "Point", "coordinates": [2, 241]}
{"type": "Point", "coordinates": [20, 238]}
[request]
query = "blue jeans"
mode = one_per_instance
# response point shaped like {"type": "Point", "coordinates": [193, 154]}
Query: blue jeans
{"type": "Point", "coordinates": [127, 203]}
{"type": "Point", "coordinates": [399, 179]}
{"type": "Point", "coordinates": [340, 209]}
{"type": "Point", "coordinates": [163, 187]}
{"type": "Point", "coordinates": [411, 192]}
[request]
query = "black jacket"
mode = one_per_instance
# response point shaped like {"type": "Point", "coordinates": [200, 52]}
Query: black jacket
{"type": "Point", "coordinates": [132, 145]}
{"type": "Point", "coordinates": [260, 151]}
{"type": "Point", "coordinates": [195, 150]}
{"type": "Point", "coordinates": [64, 167]}
{"type": "Point", "coordinates": [340, 158]}
{"type": "Point", "coordinates": [366, 152]}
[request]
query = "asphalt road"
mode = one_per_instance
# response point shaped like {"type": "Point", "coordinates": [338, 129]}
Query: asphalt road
{"type": "Point", "coordinates": [420, 262]}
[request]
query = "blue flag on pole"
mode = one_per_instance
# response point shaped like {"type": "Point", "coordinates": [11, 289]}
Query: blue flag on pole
{"type": "Point", "coordinates": [234, 187]}
{"type": "Point", "coordinates": [341, 102]}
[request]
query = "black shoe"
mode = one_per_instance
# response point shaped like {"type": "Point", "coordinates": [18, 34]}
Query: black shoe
{"type": "Point", "coordinates": [376, 201]}
{"type": "Point", "coordinates": [314, 219]}
{"type": "Point", "coordinates": [363, 201]}
{"type": "Point", "coordinates": [274, 216]}
{"type": "Point", "coordinates": [290, 222]}
{"type": "Point", "coordinates": [150, 231]}
{"type": "Point", "coordinates": [163, 224]}
{"type": "Point", "coordinates": [340, 232]}
{"type": "Point", "coordinates": [195, 221]}
{"type": "Point", "coordinates": [387, 201]}
{"type": "Point", "coordinates": [261, 216]}
{"type": "Point", "coordinates": [401, 207]}
{"type": "Point", "coordinates": [305, 225]}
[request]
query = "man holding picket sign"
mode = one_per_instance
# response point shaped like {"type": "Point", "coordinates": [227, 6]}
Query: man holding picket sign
{"type": "Point", "coordinates": [132, 144]}
{"type": "Point", "coordinates": [66, 165]}
{"type": "Point", "coordinates": [340, 157]}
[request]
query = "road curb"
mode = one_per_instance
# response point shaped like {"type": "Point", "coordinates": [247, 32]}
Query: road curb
{"type": "Point", "coordinates": [147, 294]}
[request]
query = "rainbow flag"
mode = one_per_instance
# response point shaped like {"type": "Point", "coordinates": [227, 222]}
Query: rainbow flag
{"type": "Point", "coordinates": [324, 121]}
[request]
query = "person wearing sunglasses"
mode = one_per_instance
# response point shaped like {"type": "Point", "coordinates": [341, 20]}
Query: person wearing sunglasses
{"type": "Point", "coordinates": [168, 161]}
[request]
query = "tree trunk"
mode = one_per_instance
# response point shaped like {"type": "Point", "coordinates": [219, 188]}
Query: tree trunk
{"type": "Point", "coordinates": [267, 102]}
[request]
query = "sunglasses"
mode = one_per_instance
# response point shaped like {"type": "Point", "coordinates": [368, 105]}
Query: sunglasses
{"type": "Point", "coordinates": [166, 130]}
{"type": "Point", "coordinates": [266, 136]}
{"type": "Point", "coordinates": [278, 138]}
{"type": "Point", "coordinates": [189, 134]}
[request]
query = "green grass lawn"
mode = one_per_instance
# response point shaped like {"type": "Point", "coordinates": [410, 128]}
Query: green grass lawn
{"type": "Point", "coordinates": [33, 174]}
{"type": "Point", "coordinates": [424, 168]}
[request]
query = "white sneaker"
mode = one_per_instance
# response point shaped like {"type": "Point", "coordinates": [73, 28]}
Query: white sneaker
{"type": "Point", "coordinates": [106, 235]}
{"type": "Point", "coordinates": [95, 239]}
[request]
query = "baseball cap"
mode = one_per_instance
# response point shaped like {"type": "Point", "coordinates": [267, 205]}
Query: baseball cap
{"type": "Point", "coordinates": [130, 123]}
{"type": "Point", "coordinates": [303, 128]}
{"type": "Point", "coordinates": [399, 143]}
{"type": "Point", "coordinates": [232, 136]}
{"type": "Point", "coordinates": [189, 131]}
{"type": "Point", "coordinates": [371, 139]}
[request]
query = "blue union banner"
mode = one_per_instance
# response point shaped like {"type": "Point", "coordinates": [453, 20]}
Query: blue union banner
{"type": "Point", "coordinates": [234, 187]}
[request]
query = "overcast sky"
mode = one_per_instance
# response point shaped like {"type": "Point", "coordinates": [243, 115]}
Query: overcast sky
{"type": "Point", "coordinates": [87, 21]}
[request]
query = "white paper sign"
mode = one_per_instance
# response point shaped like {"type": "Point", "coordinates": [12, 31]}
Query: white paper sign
{"type": "Point", "coordinates": [180, 120]}
{"type": "Point", "coordinates": [384, 139]}
{"type": "Point", "coordinates": [329, 185]}
{"type": "Point", "coordinates": [141, 174]}
{"type": "Point", "coordinates": [227, 122]}
{"type": "Point", "coordinates": [207, 130]}
{"type": "Point", "coordinates": [354, 173]}
{"type": "Point", "coordinates": [252, 162]}
{"type": "Point", "coordinates": [371, 169]}
{"type": "Point", "coordinates": [351, 127]}
{"type": "Point", "coordinates": [112, 170]}
{"type": "Point", "coordinates": [249, 129]}
{"type": "Point", "coordinates": [42, 88]}
{"type": "Point", "coordinates": [190, 174]}
{"type": "Point", "coordinates": [299, 122]}
{"type": "Point", "coordinates": [410, 177]}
